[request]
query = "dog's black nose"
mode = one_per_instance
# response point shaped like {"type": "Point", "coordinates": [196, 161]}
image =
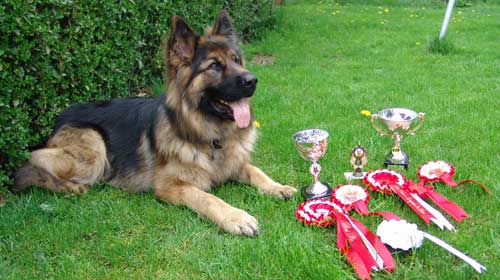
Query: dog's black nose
{"type": "Point", "coordinates": [248, 80]}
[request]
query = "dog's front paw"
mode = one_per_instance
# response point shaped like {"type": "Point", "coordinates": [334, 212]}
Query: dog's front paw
{"type": "Point", "coordinates": [75, 188]}
{"type": "Point", "coordinates": [282, 191]}
{"type": "Point", "coordinates": [237, 221]}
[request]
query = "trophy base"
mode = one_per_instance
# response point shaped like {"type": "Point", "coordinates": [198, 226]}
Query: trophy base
{"type": "Point", "coordinates": [354, 175]}
{"type": "Point", "coordinates": [403, 161]}
{"type": "Point", "coordinates": [310, 196]}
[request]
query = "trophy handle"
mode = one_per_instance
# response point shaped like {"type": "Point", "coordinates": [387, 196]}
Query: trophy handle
{"type": "Point", "coordinates": [378, 129]}
{"type": "Point", "coordinates": [421, 116]}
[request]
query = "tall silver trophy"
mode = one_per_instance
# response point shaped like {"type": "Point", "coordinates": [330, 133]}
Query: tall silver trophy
{"type": "Point", "coordinates": [397, 122]}
{"type": "Point", "coordinates": [311, 145]}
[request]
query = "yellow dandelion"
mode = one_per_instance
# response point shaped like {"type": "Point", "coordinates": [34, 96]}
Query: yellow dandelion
{"type": "Point", "coordinates": [365, 113]}
{"type": "Point", "coordinates": [418, 43]}
{"type": "Point", "coordinates": [257, 124]}
{"type": "Point", "coordinates": [386, 10]}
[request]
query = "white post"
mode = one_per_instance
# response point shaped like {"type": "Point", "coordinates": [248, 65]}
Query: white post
{"type": "Point", "coordinates": [447, 16]}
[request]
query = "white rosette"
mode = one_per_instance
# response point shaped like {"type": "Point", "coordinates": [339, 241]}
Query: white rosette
{"type": "Point", "coordinates": [400, 235]}
{"type": "Point", "coordinates": [404, 236]}
{"type": "Point", "coordinates": [349, 194]}
{"type": "Point", "coordinates": [434, 169]}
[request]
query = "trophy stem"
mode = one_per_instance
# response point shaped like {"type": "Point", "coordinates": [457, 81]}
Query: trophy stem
{"type": "Point", "coordinates": [396, 149]}
{"type": "Point", "coordinates": [358, 172]}
{"type": "Point", "coordinates": [397, 155]}
{"type": "Point", "coordinates": [315, 169]}
{"type": "Point", "coordinates": [317, 189]}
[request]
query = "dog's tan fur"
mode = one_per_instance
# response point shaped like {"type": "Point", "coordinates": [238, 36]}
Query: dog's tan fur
{"type": "Point", "coordinates": [181, 164]}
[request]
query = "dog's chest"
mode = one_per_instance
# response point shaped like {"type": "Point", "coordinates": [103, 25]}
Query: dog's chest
{"type": "Point", "coordinates": [228, 156]}
{"type": "Point", "coordinates": [211, 164]}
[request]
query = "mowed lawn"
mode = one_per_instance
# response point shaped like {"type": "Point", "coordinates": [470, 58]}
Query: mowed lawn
{"type": "Point", "coordinates": [331, 60]}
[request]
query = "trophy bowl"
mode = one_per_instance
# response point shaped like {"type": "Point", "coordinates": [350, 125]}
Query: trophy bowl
{"type": "Point", "coordinates": [397, 122]}
{"type": "Point", "coordinates": [311, 145]}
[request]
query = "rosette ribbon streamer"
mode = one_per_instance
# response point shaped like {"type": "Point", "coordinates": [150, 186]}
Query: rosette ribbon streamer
{"type": "Point", "coordinates": [428, 192]}
{"type": "Point", "coordinates": [362, 248]}
{"type": "Point", "coordinates": [401, 235]}
{"type": "Point", "coordinates": [390, 181]}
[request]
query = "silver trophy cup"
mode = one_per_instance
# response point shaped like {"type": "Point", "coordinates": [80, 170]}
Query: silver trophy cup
{"type": "Point", "coordinates": [397, 122]}
{"type": "Point", "coordinates": [311, 145]}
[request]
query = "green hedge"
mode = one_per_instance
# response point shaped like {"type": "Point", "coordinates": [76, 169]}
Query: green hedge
{"type": "Point", "coordinates": [57, 52]}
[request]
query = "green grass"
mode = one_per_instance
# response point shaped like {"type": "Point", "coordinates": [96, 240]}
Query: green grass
{"type": "Point", "coordinates": [441, 46]}
{"type": "Point", "coordinates": [332, 61]}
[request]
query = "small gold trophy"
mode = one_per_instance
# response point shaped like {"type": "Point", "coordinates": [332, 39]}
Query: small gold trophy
{"type": "Point", "coordinates": [358, 161]}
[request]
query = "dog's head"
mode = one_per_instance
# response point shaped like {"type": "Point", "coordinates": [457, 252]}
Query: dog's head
{"type": "Point", "coordinates": [208, 72]}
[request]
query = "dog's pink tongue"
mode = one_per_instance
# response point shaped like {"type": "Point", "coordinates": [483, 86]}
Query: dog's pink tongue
{"type": "Point", "coordinates": [241, 113]}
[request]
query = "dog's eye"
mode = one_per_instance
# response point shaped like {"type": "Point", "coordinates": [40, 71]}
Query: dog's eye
{"type": "Point", "coordinates": [236, 59]}
{"type": "Point", "coordinates": [215, 66]}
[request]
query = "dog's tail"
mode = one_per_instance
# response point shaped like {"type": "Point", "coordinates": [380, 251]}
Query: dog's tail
{"type": "Point", "coordinates": [30, 175]}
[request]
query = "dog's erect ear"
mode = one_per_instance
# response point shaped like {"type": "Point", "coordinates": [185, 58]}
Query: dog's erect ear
{"type": "Point", "coordinates": [224, 26]}
{"type": "Point", "coordinates": [182, 41]}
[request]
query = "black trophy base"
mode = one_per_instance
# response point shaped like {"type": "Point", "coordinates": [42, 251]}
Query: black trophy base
{"type": "Point", "coordinates": [310, 196]}
{"type": "Point", "coordinates": [402, 162]}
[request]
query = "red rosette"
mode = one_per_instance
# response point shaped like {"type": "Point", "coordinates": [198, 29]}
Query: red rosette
{"type": "Point", "coordinates": [317, 212]}
{"type": "Point", "coordinates": [362, 248]}
{"type": "Point", "coordinates": [380, 180]}
{"type": "Point", "coordinates": [390, 181]}
{"type": "Point", "coordinates": [352, 196]}
{"type": "Point", "coordinates": [437, 170]}
{"type": "Point", "coordinates": [442, 171]}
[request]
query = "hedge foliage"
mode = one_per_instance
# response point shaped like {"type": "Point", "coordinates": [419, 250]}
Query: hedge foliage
{"type": "Point", "coordinates": [57, 52]}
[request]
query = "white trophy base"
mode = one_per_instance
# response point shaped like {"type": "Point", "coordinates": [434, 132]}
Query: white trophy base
{"type": "Point", "coordinates": [350, 176]}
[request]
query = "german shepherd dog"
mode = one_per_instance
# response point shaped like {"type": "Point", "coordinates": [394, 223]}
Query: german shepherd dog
{"type": "Point", "coordinates": [199, 134]}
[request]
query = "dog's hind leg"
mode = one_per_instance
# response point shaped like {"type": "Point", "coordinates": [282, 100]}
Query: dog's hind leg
{"type": "Point", "coordinates": [73, 159]}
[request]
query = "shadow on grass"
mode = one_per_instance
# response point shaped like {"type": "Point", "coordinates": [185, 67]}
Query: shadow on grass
{"type": "Point", "coordinates": [442, 47]}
